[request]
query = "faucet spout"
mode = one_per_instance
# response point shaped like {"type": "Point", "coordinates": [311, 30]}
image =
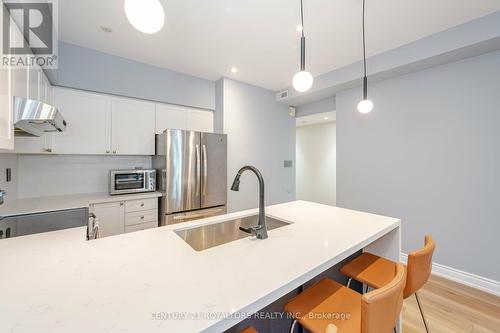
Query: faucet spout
{"type": "Point", "coordinates": [261, 229]}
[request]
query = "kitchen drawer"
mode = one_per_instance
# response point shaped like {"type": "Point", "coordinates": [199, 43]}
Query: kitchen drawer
{"type": "Point", "coordinates": [141, 217]}
{"type": "Point", "coordinates": [138, 205]}
{"type": "Point", "coordinates": [142, 226]}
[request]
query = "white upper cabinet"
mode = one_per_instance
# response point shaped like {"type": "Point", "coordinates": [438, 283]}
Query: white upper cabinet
{"type": "Point", "coordinates": [34, 73]}
{"type": "Point", "coordinates": [19, 79]}
{"type": "Point", "coordinates": [6, 114]}
{"type": "Point", "coordinates": [133, 127]}
{"type": "Point", "coordinates": [180, 117]}
{"type": "Point", "coordinates": [201, 121]}
{"type": "Point", "coordinates": [170, 116]}
{"type": "Point", "coordinates": [88, 117]}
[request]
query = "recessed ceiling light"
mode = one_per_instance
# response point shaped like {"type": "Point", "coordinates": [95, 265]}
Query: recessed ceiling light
{"type": "Point", "coordinates": [326, 118]}
{"type": "Point", "coordinates": [234, 70]}
{"type": "Point", "coordinates": [106, 29]}
{"type": "Point", "coordinates": [147, 16]}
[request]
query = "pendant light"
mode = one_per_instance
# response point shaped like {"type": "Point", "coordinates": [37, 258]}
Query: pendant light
{"type": "Point", "coordinates": [147, 16]}
{"type": "Point", "coordinates": [365, 106]}
{"type": "Point", "coordinates": [303, 80]}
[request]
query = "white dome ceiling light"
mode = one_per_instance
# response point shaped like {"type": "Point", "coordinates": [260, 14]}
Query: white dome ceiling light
{"type": "Point", "coordinates": [303, 80]}
{"type": "Point", "coordinates": [365, 106]}
{"type": "Point", "coordinates": [147, 16]}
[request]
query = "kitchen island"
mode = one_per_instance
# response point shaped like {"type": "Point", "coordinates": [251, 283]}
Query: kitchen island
{"type": "Point", "coordinates": [152, 281]}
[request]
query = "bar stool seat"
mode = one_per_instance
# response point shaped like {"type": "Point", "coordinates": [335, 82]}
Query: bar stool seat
{"type": "Point", "coordinates": [328, 306]}
{"type": "Point", "coordinates": [327, 298]}
{"type": "Point", "coordinates": [370, 270]}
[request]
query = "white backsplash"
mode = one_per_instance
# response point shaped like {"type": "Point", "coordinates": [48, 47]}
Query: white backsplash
{"type": "Point", "coordinates": [49, 175]}
{"type": "Point", "coordinates": [8, 161]}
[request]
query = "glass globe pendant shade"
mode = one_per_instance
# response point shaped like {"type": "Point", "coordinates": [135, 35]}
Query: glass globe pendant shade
{"type": "Point", "coordinates": [365, 106]}
{"type": "Point", "coordinates": [147, 16]}
{"type": "Point", "coordinates": [302, 81]}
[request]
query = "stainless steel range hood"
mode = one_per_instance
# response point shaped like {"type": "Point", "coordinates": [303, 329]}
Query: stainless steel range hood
{"type": "Point", "coordinates": [33, 118]}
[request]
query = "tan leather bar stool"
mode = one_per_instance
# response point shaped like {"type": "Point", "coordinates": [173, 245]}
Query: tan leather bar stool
{"type": "Point", "coordinates": [249, 329]}
{"type": "Point", "coordinates": [376, 272]}
{"type": "Point", "coordinates": [328, 302]}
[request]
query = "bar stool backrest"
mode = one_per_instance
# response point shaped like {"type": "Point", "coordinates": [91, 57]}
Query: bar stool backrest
{"type": "Point", "coordinates": [381, 307]}
{"type": "Point", "coordinates": [419, 267]}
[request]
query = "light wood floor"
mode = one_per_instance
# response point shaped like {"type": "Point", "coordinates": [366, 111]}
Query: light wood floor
{"type": "Point", "coordinates": [452, 308]}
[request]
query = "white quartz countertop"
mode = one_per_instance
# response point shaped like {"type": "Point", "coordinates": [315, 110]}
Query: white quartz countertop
{"type": "Point", "coordinates": [63, 202]}
{"type": "Point", "coordinates": [57, 282]}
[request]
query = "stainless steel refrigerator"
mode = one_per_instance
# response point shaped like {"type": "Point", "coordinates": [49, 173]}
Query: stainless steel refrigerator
{"type": "Point", "coordinates": [192, 174]}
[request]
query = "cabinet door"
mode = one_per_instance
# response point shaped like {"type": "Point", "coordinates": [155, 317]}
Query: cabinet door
{"type": "Point", "coordinates": [19, 75]}
{"type": "Point", "coordinates": [34, 82]}
{"type": "Point", "coordinates": [111, 218]}
{"type": "Point", "coordinates": [88, 116]}
{"type": "Point", "coordinates": [133, 127]}
{"type": "Point", "coordinates": [201, 121]}
{"type": "Point", "coordinates": [50, 93]}
{"type": "Point", "coordinates": [170, 117]}
{"type": "Point", "coordinates": [34, 145]}
{"type": "Point", "coordinates": [6, 113]}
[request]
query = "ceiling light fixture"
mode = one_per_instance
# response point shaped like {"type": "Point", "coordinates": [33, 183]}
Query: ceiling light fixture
{"type": "Point", "coordinates": [147, 16]}
{"type": "Point", "coordinates": [302, 80]}
{"type": "Point", "coordinates": [234, 70]}
{"type": "Point", "coordinates": [365, 106]}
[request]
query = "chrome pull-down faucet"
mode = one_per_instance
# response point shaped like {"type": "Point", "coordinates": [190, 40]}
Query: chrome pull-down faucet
{"type": "Point", "coordinates": [260, 230]}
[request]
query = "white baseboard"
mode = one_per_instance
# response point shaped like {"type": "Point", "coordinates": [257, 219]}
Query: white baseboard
{"type": "Point", "coordinates": [468, 279]}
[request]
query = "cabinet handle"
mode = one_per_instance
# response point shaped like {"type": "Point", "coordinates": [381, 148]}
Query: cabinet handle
{"type": "Point", "coordinates": [142, 217]}
{"type": "Point", "coordinates": [48, 150]}
{"type": "Point", "coordinates": [121, 203]}
{"type": "Point", "coordinates": [107, 151]}
{"type": "Point", "coordinates": [114, 151]}
{"type": "Point", "coordinates": [142, 204]}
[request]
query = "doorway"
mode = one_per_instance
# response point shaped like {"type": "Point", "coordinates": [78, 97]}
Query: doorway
{"type": "Point", "coordinates": [316, 150]}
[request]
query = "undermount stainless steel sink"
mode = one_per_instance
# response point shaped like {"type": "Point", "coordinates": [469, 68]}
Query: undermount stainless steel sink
{"type": "Point", "coordinates": [207, 236]}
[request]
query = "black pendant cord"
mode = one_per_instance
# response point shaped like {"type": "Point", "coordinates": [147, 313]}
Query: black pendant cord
{"type": "Point", "coordinates": [302, 40]}
{"type": "Point", "coordinates": [365, 79]}
{"type": "Point", "coordinates": [302, 17]}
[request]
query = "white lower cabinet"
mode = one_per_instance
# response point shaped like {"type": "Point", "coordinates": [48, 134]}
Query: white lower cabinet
{"type": "Point", "coordinates": [111, 216]}
{"type": "Point", "coordinates": [126, 216]}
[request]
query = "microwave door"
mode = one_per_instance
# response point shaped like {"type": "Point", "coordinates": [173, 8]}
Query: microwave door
{"type": "Point", "coordinates": [214, 170]}
{"type": "Point", "coordinates": [183, 170]}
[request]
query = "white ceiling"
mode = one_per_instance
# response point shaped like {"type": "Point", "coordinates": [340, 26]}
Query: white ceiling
{"type": "Point", "coordinates": [205, 38]}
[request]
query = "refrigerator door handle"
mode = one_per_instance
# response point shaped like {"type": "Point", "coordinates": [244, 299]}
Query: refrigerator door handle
{"type": "Point", "coordinates": [198, 170]}
{"type": "Point", "coordinates": [205, 171]}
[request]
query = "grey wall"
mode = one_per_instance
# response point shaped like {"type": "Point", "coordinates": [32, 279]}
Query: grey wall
{"type": "Point", "coordinates": [324, 105]}
{"type": "Point", "coordinates": [88, 69]}
{"type": "Point", "coordinates": [260, 133]}
{"type": "Point", "coordinates": [429, 153]}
